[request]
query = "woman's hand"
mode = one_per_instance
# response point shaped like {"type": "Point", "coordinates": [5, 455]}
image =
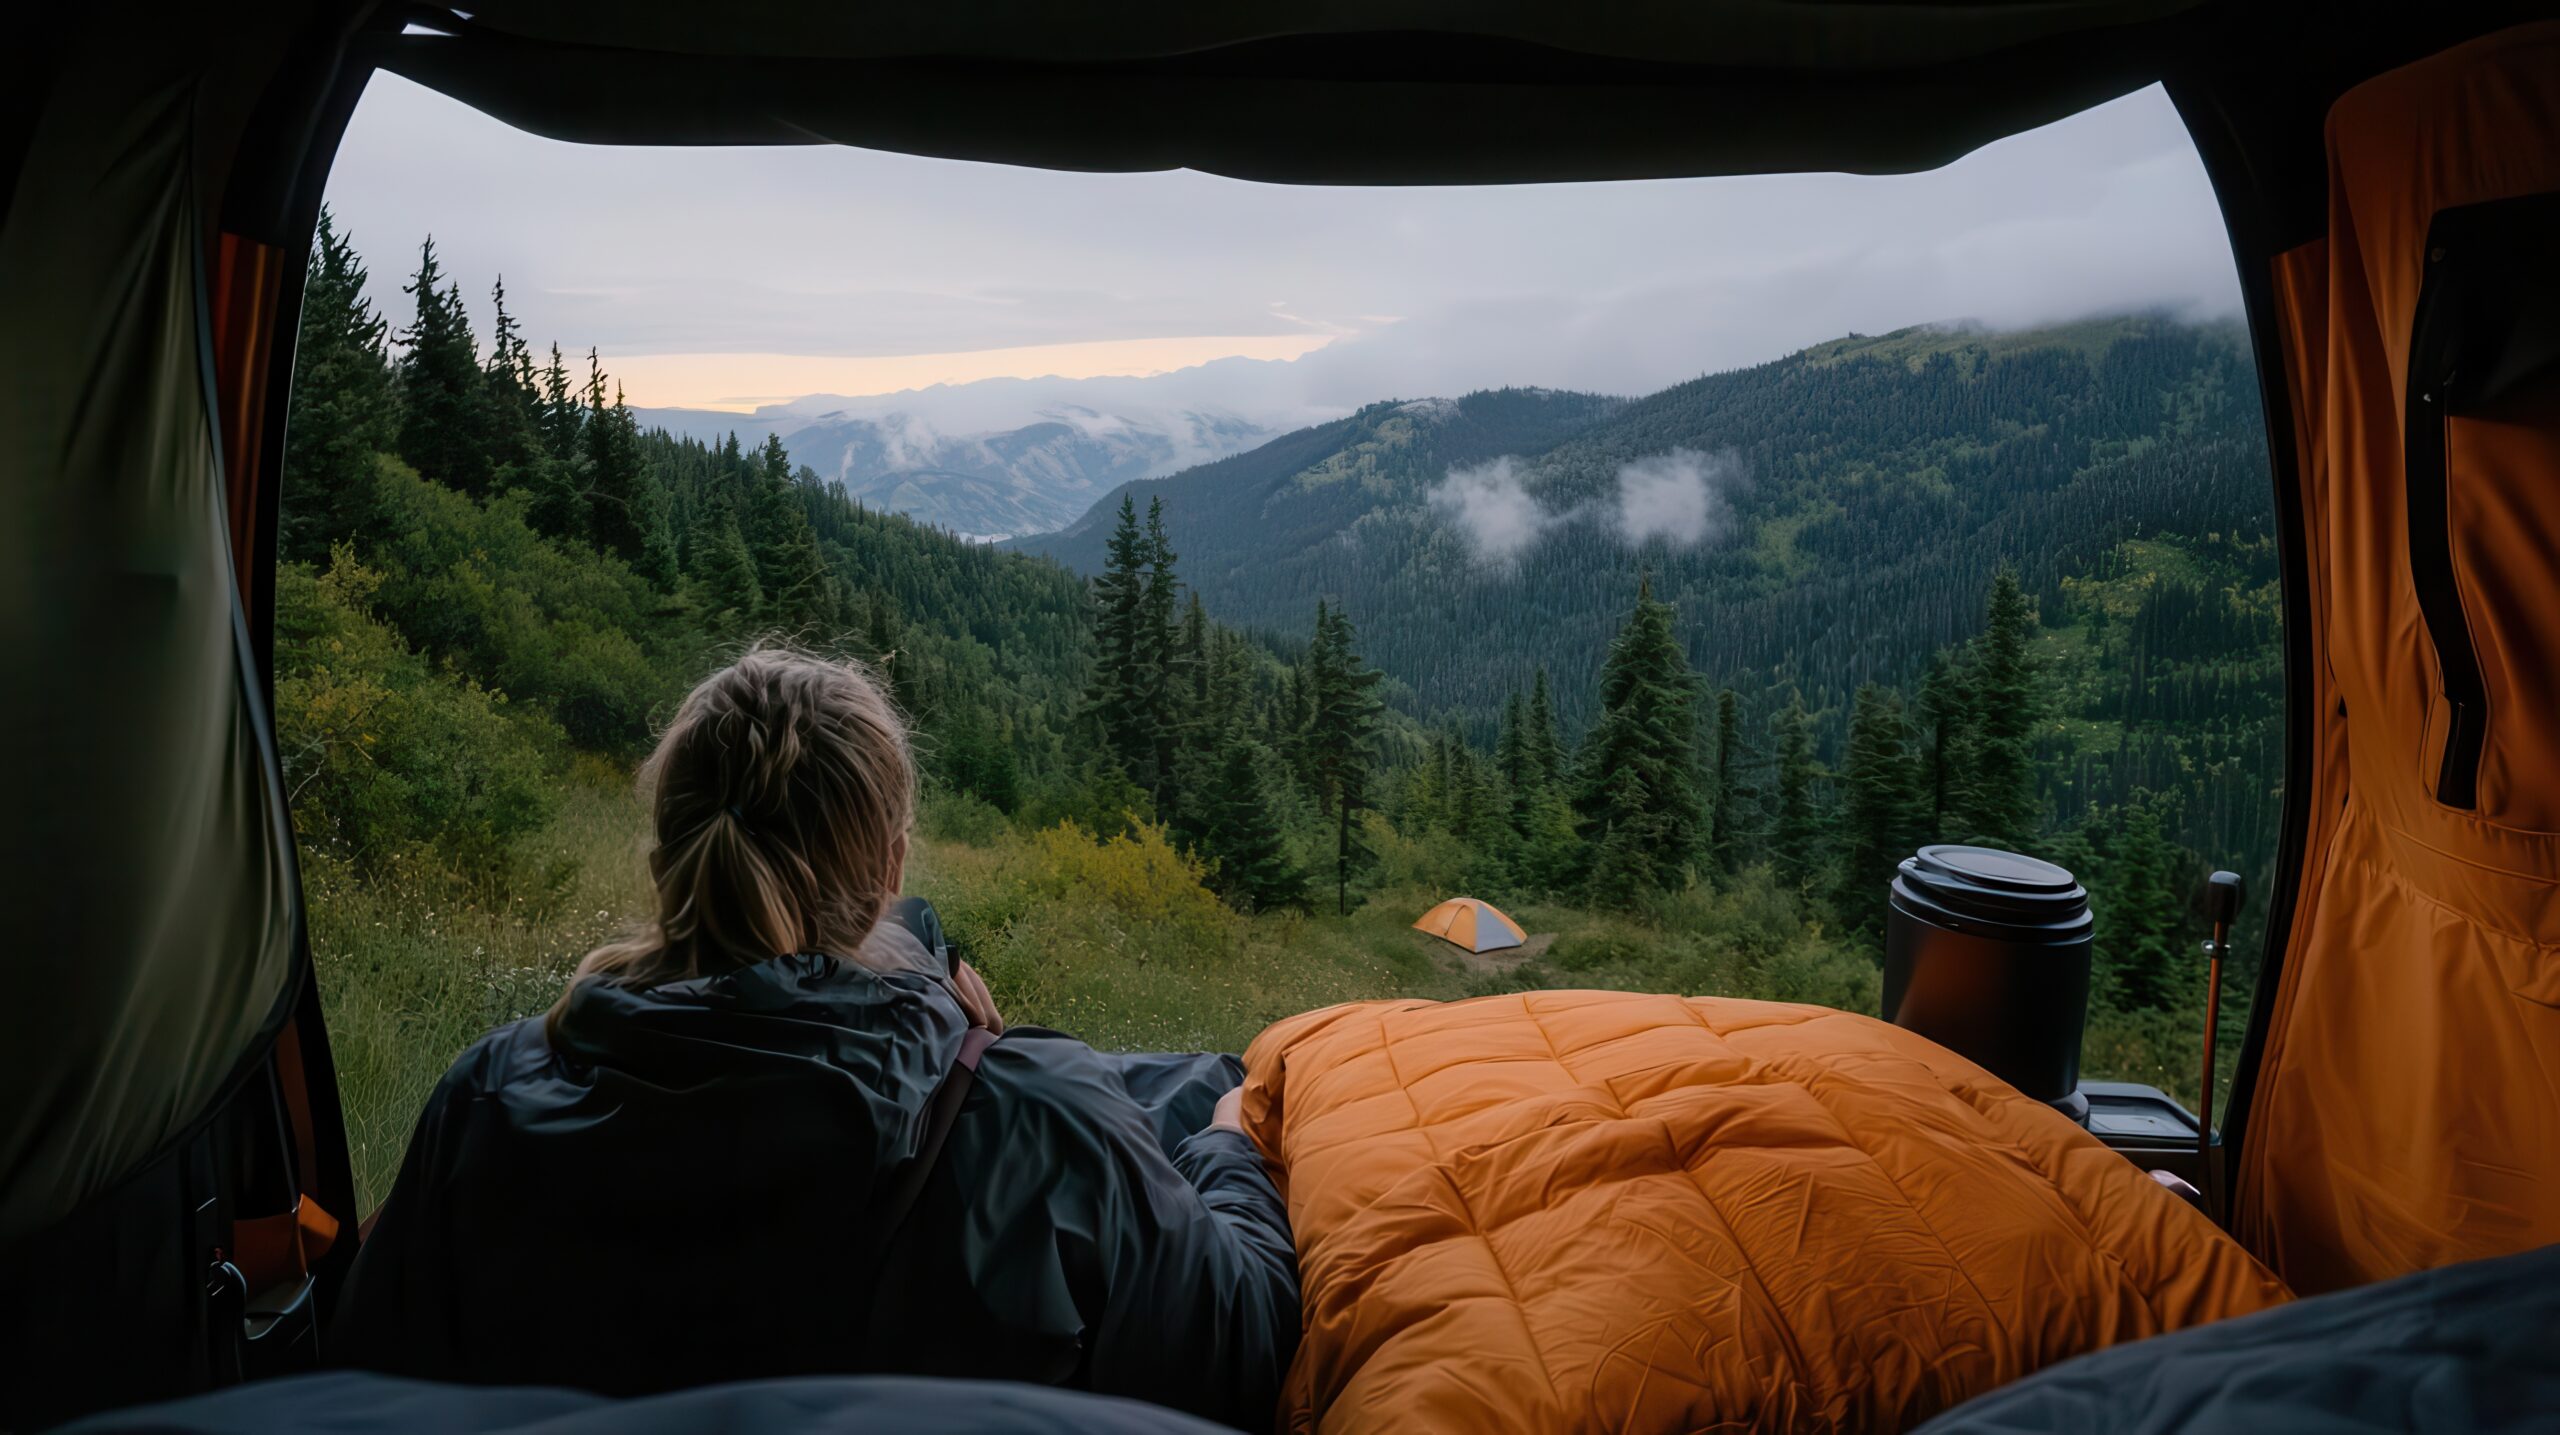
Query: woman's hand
{"type": "Point", "coordinates": [1229, 1116]}
{"type": "Point", "coordinates": [975, 999]}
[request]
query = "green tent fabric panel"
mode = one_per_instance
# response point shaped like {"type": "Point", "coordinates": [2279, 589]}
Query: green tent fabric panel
{"type": "Point", "coordinates": [145, 865]}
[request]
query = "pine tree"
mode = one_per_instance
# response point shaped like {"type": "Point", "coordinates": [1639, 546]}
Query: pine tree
{"type": "Point", "coordinates": [1641, 752]}
{"type": "Point", "coordinates": [1625, 860]}
{"type": "Point", "coordinates": [885, 644]}
{"type": "Point", "coordinates": [800, 595]}
{"type": "Point", "coordinates": [1156, 630]}
{"type": "Point", "coordinates": [1197, 678]}
{"type": "Point", "coordinates": [1468, 792]}
{"type": "Point", "coordinates": [1795, 837]}
{"type": "Point", "coordinates": [1551, 856]}
{"type": "Point", "coordinates": [1242, 833]}
{"type": "Point", "coordinates": [727, 572]}
{"type": "Point", "coordinates": [1342, 716]}
{"type": "Point", "coordinates": [510, 399]}
{"type": "Point", "coordinates": [563, 413]}
{"type": "Point", "coordinates": [618, 508]}
{"type": "Point", "coordinates": [1426, 792]}
{"type": "Point", "coordinates": [559, 501]}
{"type": "Point", "coordinates": [1541, 748]}
{"type": "Point", "coordinates": [1942, 717]}
{"type": "Point", "coordinates": [443, 416]}
{"type": "Point", "coordinates": [2141, 912]}
{"type": "Point", "coordinates": [1997, 798]}
{"type": "Point", "coordinates": [342, 410]}
{"type": "Point", "coordinates": [975, 755]}
{"type": "Point", "coordinates": [1231, 685]}
{"type": "Point", "coordinates": [659, 561]}
{"type": "Point", "coordinates": [1123, 697]}
{"type": "Point", "coordinates": [1724, 840]}
{"type": "Point", "coordinates": [1880, 809]}
{"type": "Point", "coordinates": [1510, 756]}
{"type": "Point", "coordinates": [1480, 807]}
{"type": "Point", "coordinates": [773, 463]}
{"type": "Point", "coordinates": [1202, 711]}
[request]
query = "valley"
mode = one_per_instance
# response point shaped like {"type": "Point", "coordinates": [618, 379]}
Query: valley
{"type": "Point", "coordinates": [1673, 679]}
{"type": "Point", "coordinates": [1000, 458]}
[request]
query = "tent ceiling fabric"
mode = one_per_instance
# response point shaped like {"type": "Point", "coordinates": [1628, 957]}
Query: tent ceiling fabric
{"type": "Point", "coordinates": [1389, 93]}
{"type": "Point", "coordinates": [1793, 34]}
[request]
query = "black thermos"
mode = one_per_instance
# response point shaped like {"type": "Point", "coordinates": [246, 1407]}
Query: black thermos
{"type": "Point", "coordinates": [1987, 954]}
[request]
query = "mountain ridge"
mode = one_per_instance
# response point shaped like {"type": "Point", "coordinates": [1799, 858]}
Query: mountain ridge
{"type": "Point", "coordinates": [1000, 457]}
{"type": "Point", "coordinates": [1843, 506]}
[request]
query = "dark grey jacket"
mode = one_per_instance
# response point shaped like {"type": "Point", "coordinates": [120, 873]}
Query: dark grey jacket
{"type": "Point", "coordinates": [679, 1195]}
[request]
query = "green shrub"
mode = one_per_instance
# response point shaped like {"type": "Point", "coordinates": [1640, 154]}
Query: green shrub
{"type": "Point", "coordinates": [1581, 952]}
{"type": "Point", "coordinates": [953, 816]}
{"type": "Point", "coordinates": [2166, 1049]}
{"type": "Point", "coordinates": [1430, 861]}
{"type": "Point", "coordinates": [1139, 876]}
{"type": "Point", "coordinates": [1821, 972]}
{"type": "Point", "coordinates": [551, 625]}
{"type": "Point", "coordinates": [385, 754]}
{"type": "Point", "coordinates": [1095, 798]}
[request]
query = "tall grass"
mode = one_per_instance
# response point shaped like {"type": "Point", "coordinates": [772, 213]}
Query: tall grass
{"type": "Point", "coordinates": [416, 964]}
{"type": "Point", "coordinates": [1117, 942]}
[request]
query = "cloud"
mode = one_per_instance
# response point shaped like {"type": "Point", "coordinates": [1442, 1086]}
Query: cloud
{"type": "Point", "coordinates": [1682, 498]}
{"type": "Point", "coordinates": [1492, 509]}
{"type": "Point", "coordinates": [1612, 287]}
{"type": "Point", "coordinates": [1678, 497]}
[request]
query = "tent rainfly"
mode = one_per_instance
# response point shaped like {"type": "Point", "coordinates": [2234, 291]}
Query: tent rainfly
{"type": "Point", "coordinates": [1473, 925]}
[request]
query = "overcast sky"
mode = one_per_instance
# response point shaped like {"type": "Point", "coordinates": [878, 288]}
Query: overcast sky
{"type": "Point", "coordinates": [726, 278]}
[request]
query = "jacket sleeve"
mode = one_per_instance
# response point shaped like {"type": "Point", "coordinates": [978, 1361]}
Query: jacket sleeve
{"type": "Point", "coordinates": [1161, 1276]}
{"type": "Point", "coordinates": [1202, 1312]}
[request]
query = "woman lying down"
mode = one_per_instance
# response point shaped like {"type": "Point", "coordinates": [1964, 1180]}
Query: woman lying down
{"type": "Point", "coordinates": [778, 1131]}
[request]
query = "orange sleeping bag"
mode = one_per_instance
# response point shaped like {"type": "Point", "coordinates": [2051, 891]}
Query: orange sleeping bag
{"type": "Point", "coordinates": [1595, 1210]}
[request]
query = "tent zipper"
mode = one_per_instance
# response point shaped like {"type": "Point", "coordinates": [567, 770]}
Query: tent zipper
{"type": "Point", "coordinates": [2433, 377]}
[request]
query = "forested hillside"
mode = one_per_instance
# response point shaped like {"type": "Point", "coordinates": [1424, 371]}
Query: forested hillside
{"type": "Point", "coordinates": [1247, 517]}
{"type": "Point", "coordinates": [1174, 802]}
{"type": "Point", "coordinates": [1863, 491]}
{"type": "Point", "coordinates": [1854, 501]}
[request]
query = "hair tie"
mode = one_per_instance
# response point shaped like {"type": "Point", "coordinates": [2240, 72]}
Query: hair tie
{"type": "Point", "coordinates": [735, 815]}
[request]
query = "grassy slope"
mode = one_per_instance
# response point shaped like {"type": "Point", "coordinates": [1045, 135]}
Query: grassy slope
{"type": "Point", "coordinates": [413, 968]}
{"type": "Point", "coordinates": [1116, 943]}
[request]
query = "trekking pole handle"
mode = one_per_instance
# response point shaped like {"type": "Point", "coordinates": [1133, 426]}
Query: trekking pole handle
{"type": "Point", "coordinates": [2222, 895]}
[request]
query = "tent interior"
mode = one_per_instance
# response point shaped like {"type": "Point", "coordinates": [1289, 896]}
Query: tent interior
{"type": "Point", "coordinates": [178, 1188]}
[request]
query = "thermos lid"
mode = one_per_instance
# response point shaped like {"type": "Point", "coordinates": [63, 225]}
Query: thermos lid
{"type": "Point", "coordinates": [1996, 893]}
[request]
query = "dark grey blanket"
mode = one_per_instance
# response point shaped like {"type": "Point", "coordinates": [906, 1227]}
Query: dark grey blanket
{"type": "Point", "coordinates": [2470, 1348]}
{"type": "Point", "coordinates": [358, 1404]}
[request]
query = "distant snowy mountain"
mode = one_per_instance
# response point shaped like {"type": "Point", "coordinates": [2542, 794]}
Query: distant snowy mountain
{"type": "Point", "coordinates": [1005, 457]}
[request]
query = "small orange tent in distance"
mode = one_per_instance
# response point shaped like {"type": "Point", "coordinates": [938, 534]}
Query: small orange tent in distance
{"type": "Point", "coordinates": [1474, 925]}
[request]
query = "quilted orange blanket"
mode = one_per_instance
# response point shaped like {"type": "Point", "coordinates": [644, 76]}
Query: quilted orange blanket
{"type": "Point", "coordinates": [1599, 1211]}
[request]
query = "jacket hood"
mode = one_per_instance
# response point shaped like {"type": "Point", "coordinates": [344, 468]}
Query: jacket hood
{"type": "Point", "coordinates": [805, 1049]}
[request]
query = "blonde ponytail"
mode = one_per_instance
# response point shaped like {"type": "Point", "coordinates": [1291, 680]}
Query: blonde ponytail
{"type": "Point", "coordinates": [781, 795]}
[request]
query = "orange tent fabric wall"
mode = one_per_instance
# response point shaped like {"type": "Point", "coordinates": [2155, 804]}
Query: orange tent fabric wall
{"type": "Point", "coordinates": [2405, 1112]}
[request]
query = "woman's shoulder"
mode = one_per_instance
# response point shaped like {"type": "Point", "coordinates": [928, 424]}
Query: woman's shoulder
{"type": "Point", "coordinates": [1048, 1078]}
{"type": "Point", "coordinates": [1036, 1064]}
{"type": "Point", "coordinates": [511, 1053]}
